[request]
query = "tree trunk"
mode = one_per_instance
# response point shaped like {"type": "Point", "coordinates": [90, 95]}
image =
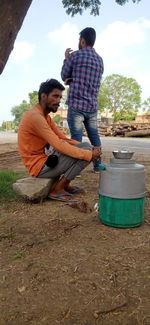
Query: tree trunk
{"type": "Point", "coordinates": [12, 14]}
{"type": "Point", "coordinates": [139, 133]}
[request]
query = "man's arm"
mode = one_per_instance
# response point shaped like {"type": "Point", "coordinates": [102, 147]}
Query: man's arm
{"type": "Point", "coordinates": [96, 152]}
{"type": "Point", "coordinates": [60, 134]}
{"type": "Point", "coordinates": [67, 67]}
{"type": "Point", "coordinates": [43, 130]}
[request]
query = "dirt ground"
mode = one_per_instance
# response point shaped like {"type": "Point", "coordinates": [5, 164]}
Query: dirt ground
{"type": "Point", "coordinates": [61, 265]}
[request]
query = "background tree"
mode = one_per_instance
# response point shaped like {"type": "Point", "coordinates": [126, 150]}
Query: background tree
{"type": "Point", "coordinates": [13, 12]}
{"type": "Point", "coordinates": [103, 98]}
{"type": "Point", "coordinates": [18, 110]}
{"type": "Point", "coordinates": [121, 96]}
{"type": "Point", "coordinates": [33, 97]}
{"type": "Point", "coordinates": [77, 6]}
{"type": "Point", "coordinates": [7, 126]}
{"type": "Point", "coordinates": [146, 105]}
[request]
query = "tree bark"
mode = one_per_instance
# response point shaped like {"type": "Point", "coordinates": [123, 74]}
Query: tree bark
{"type": "Point", "coordinates": [12, 14]}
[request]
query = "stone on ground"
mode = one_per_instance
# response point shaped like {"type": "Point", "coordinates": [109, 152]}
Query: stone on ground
{"type": "Point", "coordinates": [33, 188]}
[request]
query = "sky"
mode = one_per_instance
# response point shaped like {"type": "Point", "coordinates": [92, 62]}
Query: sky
{"type": "Point", "coordinates": [123, 41]}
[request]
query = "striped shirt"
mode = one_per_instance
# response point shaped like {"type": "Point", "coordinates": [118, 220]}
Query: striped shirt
{"type": "Point", "coordinates": [85, 67]}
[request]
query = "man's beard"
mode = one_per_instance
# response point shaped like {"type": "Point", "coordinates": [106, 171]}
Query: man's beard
{"type": "Point", "coordinates": [52, 109]}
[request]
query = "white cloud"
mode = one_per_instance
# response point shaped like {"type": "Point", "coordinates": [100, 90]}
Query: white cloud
{"type": "Point", "coordinates": [22, 51]}
{"type": "Point", "coordinates": [124, 48]}
{"type": "Point", "coordinates": [67, 36]}
{"type": "Point", "coordinates": [146, 23]}
{"type": "Point", "coordinates": [125, 63]}
{"type": "Point", "coordinates": [143, 80]}
{"type": "Point", "coordinates": [119, 36]}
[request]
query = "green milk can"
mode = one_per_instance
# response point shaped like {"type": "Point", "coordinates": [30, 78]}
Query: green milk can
{"type": "Point", "coordinates": [122, 191]}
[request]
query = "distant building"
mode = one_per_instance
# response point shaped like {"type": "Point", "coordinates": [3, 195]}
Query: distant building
{"type": "Point", "coordinates": [61, 112]}
{"type": "Point", "coordinates": [106, 117]}
{"type": "Point", "coordinates": [145, 118]}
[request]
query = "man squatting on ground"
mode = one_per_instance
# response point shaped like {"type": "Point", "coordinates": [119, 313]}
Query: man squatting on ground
{"type": "Point", "coordinates": [83, 70]}
{"type": "Point", "coordinates": [37, 131]}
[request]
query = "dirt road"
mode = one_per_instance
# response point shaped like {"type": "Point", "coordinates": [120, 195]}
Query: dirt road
{"type": "Point", "coordinates": [61, 266]}
{"type": "Point", "coordinates": [139, 145]}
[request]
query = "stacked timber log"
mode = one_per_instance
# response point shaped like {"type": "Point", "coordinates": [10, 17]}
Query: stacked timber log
{"type": "Point", "coordinates": [125, 130]}
{"type": "Point", "coordinates": [121, 130]}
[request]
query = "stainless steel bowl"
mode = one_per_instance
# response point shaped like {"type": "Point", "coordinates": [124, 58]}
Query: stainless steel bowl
{"type": "Point", "coordinates": [123, 154]}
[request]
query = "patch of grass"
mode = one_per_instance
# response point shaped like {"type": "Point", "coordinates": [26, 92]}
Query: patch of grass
{"type": "Point", "coordinates": [19, 254]}
{"type": "Point", "coordinates": [7, 235]}
{"type": "Point", "coordinates": [7, 178]}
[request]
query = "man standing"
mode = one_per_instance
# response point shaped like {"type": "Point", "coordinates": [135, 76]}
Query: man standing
{"type": "Point", "coordinates": [37, 131]}
{"type": "Point", "coordinates": [83, 70]}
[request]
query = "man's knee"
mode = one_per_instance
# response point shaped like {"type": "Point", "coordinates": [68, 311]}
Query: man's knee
{"type": "Point", "coordinates": [84, 145]}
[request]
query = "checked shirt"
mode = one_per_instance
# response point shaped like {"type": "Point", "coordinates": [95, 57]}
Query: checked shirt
{"type": "Point", "coordinates": [85, 67]}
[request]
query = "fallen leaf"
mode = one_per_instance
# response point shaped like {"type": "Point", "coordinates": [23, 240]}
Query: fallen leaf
{"type": "Point", "coordinates": [21, 289]}
{"type": "Point", "coordinates": [95, 315]}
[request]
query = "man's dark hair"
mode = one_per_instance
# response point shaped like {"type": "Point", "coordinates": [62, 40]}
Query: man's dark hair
{"type": "Point", "coordinates": [89, 34]}
{"type": "Point", "coordinates": [48, 86]}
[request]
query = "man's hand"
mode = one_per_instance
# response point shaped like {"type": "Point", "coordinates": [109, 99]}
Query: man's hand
{"type": "Point", "coordinates": [96, 153]}
{"type": "Point", "coordinates": [67, 81]}
{"type": "Point", "coordinates": [67, 52]}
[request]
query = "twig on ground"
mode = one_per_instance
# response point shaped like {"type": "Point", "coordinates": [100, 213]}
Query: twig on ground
{"type": "Point", "coordinates": [146, 221]}
{"type": "Point", "coordinates": [91, 300]}
{"type": "Point", "coordinates": [98, 312]}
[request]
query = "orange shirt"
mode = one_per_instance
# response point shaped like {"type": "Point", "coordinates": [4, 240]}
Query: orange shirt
{"type": "Point", "coordinates": [35, 132]}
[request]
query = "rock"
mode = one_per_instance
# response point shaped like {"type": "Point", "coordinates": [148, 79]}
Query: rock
{"type": "Point", "coordinates": [33, 188]}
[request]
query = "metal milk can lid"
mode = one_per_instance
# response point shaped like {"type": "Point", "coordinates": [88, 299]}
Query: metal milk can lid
{"type": "Point", "coordinates": [123, 154]}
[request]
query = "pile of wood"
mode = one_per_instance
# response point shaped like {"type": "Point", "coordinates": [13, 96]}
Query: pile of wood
{"type": "Point", "coordinates": [121, 130]}
{"type": "Point", "coordinates": [125, 130]}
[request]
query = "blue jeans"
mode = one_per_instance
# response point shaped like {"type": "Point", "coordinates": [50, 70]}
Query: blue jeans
{"type": "Point", "coordinates": [76, 120]}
